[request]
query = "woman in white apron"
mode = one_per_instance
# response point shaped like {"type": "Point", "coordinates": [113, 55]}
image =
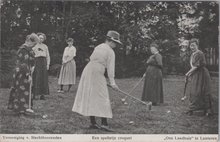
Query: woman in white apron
{"type": "Point", "coordinates": [92, 97]}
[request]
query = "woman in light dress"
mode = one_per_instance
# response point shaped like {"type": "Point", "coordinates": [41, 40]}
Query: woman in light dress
{"type": "Point", "coordinates": [68, 70]}
{"type": "Point", "coordinates": [92, 97]}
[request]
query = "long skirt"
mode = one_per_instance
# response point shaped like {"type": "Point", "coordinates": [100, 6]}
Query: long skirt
{"type": "Point", "coordinates": [40, 79]}
{"type": "Point", "coordinates": [19, 93]}
{"type": "Point", "coordinates": [153, 85]}
{"type": "Point", "coordinates": [200, 90]}
{"type": "Point", "coordinates": [68, 73]}
{"type": "Point", "coordinates": [92, 97]}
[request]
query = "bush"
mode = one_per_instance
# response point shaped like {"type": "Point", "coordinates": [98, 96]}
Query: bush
{"type": "Point", "coordinates": [8, 59]}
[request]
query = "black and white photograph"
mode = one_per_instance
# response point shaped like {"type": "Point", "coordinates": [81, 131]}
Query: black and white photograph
{"type": "Point", "coordinates": [121, 71]}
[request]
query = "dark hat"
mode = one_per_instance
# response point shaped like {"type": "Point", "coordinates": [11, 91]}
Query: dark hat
{"type": "Point", "coordinates": [32, 38]}
{"type": "Point", "coordinates": [69, 40]}
{"type": "Point", "coordinates": [114, 36]}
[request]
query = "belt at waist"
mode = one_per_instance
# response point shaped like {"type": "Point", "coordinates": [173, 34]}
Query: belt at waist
{"type": "Point", "coordinates": [95, 61]}
{"type": "Point", "coordinates": [40, 57]}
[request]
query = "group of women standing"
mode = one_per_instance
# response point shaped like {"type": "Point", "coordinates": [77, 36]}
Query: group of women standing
{"type": "Point", "coordinates": [92, 97]}
{"type": "Point", "coordinates": [198, 88]}
{"type": "Point", "coordinates": [30, 78]}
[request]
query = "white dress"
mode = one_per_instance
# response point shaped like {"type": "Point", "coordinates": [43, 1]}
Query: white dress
{"type": "Point", "coordinates": [92, 97]}
{"type": "Point", "coordinates": [68, 70]}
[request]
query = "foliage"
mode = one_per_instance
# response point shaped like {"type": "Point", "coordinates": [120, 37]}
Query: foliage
{"type": "Point", "coordinates": [139, 22]}
{"type": "Point", "coordinates": [6, 68]}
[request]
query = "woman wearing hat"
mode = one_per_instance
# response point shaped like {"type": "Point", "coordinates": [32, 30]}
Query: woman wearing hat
{"type": "Point", "coordinates": [42, 63]}
{"type": "Point", "coordinates": [68, 70]}
{"type": "Point", "coordinates": [19, 94]}
{"type": "Point", "coordinates": [92, 97]}
{"type": "Point", "coordinates": [153, 85]}
{"type": "Point", "coordinates": [199, 81]}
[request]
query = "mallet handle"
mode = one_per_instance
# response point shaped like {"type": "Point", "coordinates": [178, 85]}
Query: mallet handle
{"type": "Point", "coordinates": [130, 96]}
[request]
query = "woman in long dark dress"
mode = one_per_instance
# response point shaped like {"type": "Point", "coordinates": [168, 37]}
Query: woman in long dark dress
{"type": "Point", "coordinates": [19, 94]}
{"type": "Point", "coordinates": [199, 88]}
{"type": "Point", "coordinates": [153, 86]}
{"type": "Point", "coordinates": [42, 63]}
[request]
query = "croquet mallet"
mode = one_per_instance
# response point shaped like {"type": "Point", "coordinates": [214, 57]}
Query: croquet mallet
{"type": "Point", "coordinates": [30, 93]}
{"type": "Point", "coordinates": [184, 93]}
{"type": "Point", "coordinates": [124, 99]}
{"type": "Point", "coordinates": [149, 104]}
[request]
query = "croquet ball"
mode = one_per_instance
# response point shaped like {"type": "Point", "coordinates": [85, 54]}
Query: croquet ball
{"type": "Point", "coordinates": [123, 100]}
{"type": "Point", "coordinates": [168, 111]}
{"type": "Point", "coordinates": [125, 103]}
{"type": "Point", "coordinates": [44, 116]}
{"type": "Point", "coordinates": [131, 122]}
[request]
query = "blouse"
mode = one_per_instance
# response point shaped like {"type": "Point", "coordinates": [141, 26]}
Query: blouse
{"type": "Point", "coordinates": [197, 59]}
{"type": "Point", "coordinates": [155, 60]}
{"type": "Point", "coordinates": [105, 55]}
{"type": "Point", "coordinates": [41, 50]}
{"type": "Point", "coordinates": [68, 54]}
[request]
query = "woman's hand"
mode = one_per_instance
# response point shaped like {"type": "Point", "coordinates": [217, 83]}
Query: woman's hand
{"type": "Point", "coordinates": [188, 74]}
{"type": "Point", "coordinates": [115, 87]}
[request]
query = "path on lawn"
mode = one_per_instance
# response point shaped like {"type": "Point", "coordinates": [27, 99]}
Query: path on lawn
{"type": "Point", "coordinates": [164, 119]}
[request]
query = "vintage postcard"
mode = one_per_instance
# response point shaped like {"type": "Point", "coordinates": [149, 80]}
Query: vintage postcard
{"type": "Point", "coordinates": [109, 71]}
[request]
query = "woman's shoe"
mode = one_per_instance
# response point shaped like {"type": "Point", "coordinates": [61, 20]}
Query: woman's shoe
{"type": "Point", "coordinates": [106, 128]}
{"type": "Point", "coordinates": [94, 126]}
{"type": "Point", "coordinates": [207, 113]}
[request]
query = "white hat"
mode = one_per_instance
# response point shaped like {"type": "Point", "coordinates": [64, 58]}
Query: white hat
{"type": "Point", "coordinates": [114, 36]}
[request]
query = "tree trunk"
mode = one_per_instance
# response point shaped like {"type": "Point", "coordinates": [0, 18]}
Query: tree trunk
{"type": "Point", "coordinates": [69, 20]}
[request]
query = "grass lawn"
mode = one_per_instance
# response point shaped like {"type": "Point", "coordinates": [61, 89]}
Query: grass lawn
{"type": "Point", "coordinates": [165, 119]}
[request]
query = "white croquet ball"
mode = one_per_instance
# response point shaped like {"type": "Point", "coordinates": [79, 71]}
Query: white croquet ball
{"type": "Point", "coordinates": [168, 111]}
{"type": "Point", "coordinates": [125, 103]}
{"type": "Point", "coordinates": [123, 100]}
{"type": "Point", "coordinates": [44, 116]}
{"type": "Point", "coordinates": [131, 122]}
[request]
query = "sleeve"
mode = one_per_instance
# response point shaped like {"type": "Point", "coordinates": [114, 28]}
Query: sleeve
{"type": "Point", "coordinates": [63, 58]}
{"type": "Point", "coordinates": [74, 51]}
{"type": "Point", "coordinates": [35, 50]}
{"type": "Point", "coordinates": [47, 57]}
{"type": "Point", "coordinates": [158, 59]}
{"type": "Point", "coordinates": [111, 67]}
{"type": "Point", "coordinates": [149, 61]}
{"type": "Point", "coordinates": [199, 60]}
{"type": "Point", "coordinates": [32, 63]}
{"type": "Point", "coordinates": [22, 61]}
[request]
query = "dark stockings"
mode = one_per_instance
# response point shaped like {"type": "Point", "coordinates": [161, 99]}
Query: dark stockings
{"type": "Point", "coordinates": [61, 87]}
{"type": "Point", "coordinates": [103, 120]}
{"type": "Point", "coordinates": [69, 87]}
